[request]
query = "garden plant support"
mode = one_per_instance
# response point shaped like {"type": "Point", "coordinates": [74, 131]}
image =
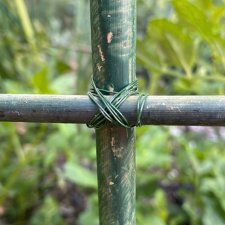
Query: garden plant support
{"type": "Point", "coordinates": [113, 28]}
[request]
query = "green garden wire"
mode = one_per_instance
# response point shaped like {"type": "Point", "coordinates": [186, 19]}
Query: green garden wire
{"type": "Point", "coordinates": [108, 107]}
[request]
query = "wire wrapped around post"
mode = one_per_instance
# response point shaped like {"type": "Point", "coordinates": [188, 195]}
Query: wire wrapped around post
{"type": "Point", "coordinates": [109, 107]}
{"type": "Point", "coordinates": [113, 28]}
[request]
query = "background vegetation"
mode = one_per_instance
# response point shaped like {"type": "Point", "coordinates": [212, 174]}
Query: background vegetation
{"type": "Point", "coordinates": [45, 48]}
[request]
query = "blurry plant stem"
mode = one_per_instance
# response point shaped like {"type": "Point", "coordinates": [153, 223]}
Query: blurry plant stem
{"type": "Point", "coordinates": [179, 75]}
{"type": "Point", "coordinates": [10, 182]}
{"type": "Point", "coordinates": [188, 72]}
{"type": "Point", "coordinates": [40, 134]}
{"type": "Point", "coordinates": [220, 52]}
{"type": "Point", "coordinates": [79, 8]}
{"type": "Point", "coordinates": [26, 23]}
{"type": "Point", "coordinates": [154, 83]}
{"type": "Point", "coordinates": [17, 145]}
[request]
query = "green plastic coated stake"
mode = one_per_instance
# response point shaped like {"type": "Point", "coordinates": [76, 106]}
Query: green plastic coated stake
{"type": "Point", "coordinates": [113, 27]}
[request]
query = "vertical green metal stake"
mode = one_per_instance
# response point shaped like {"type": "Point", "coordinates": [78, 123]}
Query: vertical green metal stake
{"type": "Point", "coordinates": [113, 45]}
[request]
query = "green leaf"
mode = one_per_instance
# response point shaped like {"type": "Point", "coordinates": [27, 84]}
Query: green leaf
{"type": "Point", "coordinates": [202, 19]}
{"type": "Point", "coordinates": [166, 44]}
{"type": "Point", "coordinates": [47, 213]}
{"type": "Point", "coordinates": [195, 17]}
{"type": "Point", "coordinates": [158, 157]}
{"type": "Point", "coordinates": [90, 216]}
{"type": "Point", "coordinates": [68, 81]}
{"type": "Point", "coordinates": [62, 67]}
{"type": "Point", "coordinates": [40, 80]}
{"type": "Point", "coordinates": [148, 56]}
{"type": "Point", "coordinates": [212, 213]}
{"type": "Point", "coordinates": [176, 47]}
{"type": "Point", "coordinates": [80, 175]}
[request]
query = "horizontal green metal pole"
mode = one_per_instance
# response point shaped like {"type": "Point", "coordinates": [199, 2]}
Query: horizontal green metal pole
{"type": "Point", "coordinates": [158, 110]}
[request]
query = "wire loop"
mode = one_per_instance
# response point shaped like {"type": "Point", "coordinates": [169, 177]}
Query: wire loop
{"type": "Point", "coordinates": [109, 107]}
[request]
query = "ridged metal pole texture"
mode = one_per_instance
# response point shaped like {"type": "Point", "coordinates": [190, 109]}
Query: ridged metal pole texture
{"type": "Point", "coordinates": [113, 27]}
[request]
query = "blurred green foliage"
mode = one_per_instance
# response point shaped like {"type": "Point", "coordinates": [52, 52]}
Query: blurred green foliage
{"type": "Point", "coordinates": [48, 172]}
